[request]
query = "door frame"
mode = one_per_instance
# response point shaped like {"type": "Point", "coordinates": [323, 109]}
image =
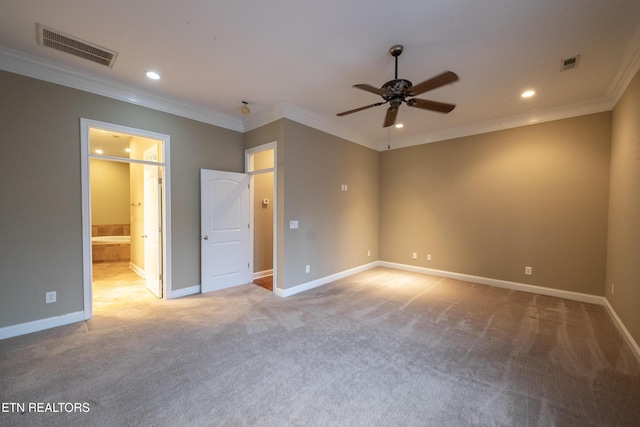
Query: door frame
{"type": "Point", "coordinates": [247, 168]}
{"type": "Point", "coordinates": [85, 155]}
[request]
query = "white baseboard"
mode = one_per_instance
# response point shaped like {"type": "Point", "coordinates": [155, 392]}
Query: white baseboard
{"type": "Point", "coordinates": [139, 271]}
{"type": "Point", "coordinates": [185, 292]}
{"type": "Point", "coordinates": [635, 349]}
{"type": "Point", "coordinates": [323, 280]}
{"type": "Point", "coordinates": [40, 325]}
{"type": "Point", "coordinates": [263, 273]}
{"type": "Point", "coordinates": [575, 296]}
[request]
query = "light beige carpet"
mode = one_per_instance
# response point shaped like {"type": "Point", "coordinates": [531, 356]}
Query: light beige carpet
{"type": "Point", "coordinates": [381, 348]}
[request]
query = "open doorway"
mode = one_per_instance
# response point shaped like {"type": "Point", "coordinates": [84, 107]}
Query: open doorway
{"type": "Point", "coordinates": [125, 215]}
{"type": "Point", "coordinates": [261, 165]}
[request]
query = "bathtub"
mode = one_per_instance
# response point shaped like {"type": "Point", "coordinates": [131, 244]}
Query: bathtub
{"type": "Point", "coordinates": [111, 240]}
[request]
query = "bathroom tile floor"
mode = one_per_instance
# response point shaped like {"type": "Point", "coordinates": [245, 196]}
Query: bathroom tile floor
{"type": "Point", "coordinates": [114, 284]}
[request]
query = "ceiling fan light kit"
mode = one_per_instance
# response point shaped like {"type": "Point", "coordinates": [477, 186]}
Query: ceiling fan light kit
{"type": "Point", "coordinates": [396, 91]}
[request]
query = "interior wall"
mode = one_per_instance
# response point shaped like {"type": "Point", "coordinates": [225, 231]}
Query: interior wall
{"type": "Point", "coordinates": [489, 205]}
{"type": "Point", "coordinates": [336, 228]}
{"type": "Point", "coordinates": [41, 229]}
{"type": "Point", "coordinates": [623, 266]}
{"type": "Point", "coordinates": [109, 183]}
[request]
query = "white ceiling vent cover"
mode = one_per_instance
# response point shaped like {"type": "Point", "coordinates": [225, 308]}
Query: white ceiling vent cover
{"type": "Point", "coordinates": [65, 43]}
{"type": "Point", "coordinates": [569, 63]}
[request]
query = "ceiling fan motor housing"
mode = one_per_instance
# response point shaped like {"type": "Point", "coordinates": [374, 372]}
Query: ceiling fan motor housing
{"type": "Point", "coordinates": [395, 88]}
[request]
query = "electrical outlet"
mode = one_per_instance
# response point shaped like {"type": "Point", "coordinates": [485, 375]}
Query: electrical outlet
{"type": "Point", "coordinates": [293, 224]}
{"type": "Point", "coordinates": [613, 289]}
{"type": "Point", "coordinates": [307, 269]}
{"type": "Point", "coordinates": [429, 257]}
{"type": "Point", "coordinates": [50, 297]}
{"type": "Point", "coordinates": [415, 255]}
{"type": "Point", "coordinates": [528, 271]}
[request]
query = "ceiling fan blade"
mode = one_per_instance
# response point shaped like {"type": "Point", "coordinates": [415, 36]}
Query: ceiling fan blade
{"type": "Point", "coordinates": [371, 89]}
{"type": "Point", "coordinates": [433, 83]}
{"type": "Point", "coordinates": [390, 117]}
{"type": "Point", "coordinates": [430, 105]}
{"type": "Point", "coordinates": [355, 110]}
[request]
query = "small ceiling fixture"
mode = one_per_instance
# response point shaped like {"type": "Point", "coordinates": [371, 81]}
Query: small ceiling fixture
{"type": "Point", "coordinates": [569, 63]}
{"type": "Point", "coordinates": [399, 125]}
{"type": "Point", "coordinates": [245, 109]}
{"type": "Point", "coordinates": [528, 93]}
{"type": "Point", "coordinates": [153, 75]}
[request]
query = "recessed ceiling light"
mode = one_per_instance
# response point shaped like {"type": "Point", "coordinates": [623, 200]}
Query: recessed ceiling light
{"type": "Point", "coordinates": [128, 150]}
{"type": "Point", "coordinates": [153, 75]}
{"type": "Point", "coordinates": [99, 151]}
{"type": "Point", "coordinates": [399, 125]}
{"type": "Point", "coordinates": [528, 93]}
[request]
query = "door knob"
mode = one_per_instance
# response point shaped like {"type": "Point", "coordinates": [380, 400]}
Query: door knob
{"type": "Point", "coordinates": [144, 236]}
{"type": "Point", "coordinates": [206, 237]}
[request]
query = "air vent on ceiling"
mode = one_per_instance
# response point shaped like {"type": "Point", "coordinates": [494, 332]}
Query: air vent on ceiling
{"type": "Point", "coordinates": [63, 42]}
{"type": "Point", "coordinates": [569, 63]}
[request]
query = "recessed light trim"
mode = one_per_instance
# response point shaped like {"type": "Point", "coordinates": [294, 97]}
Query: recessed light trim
{"type": "Point", "coordinates": [528, 93]}
{"type": "Point", "coordinates": [153, 75]}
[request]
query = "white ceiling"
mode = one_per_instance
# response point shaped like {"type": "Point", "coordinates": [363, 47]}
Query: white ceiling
{"type": "Point", "coordinates": [299, 59]}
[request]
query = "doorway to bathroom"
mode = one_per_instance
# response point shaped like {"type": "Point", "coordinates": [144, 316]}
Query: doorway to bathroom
{"type": "Point", "coordinates": [125, 215]}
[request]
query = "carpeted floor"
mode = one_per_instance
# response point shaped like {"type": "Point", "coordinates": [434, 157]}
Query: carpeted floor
{"type": "Point", "coordinates": [380, 348]}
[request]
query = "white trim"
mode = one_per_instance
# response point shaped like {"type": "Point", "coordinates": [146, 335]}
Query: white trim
{"type": "Point", "coordinates": [40, 325]}
{"type": "Point", "coordinates": [263, 273]}
{"type": "Point", "coordinates": [324, 280]}
{"type": "Point", "coordinates": [300, 115]}
{"type": "Point", "coordinates": [42, 69]}
{"type": "Point", "coordinates": [502, 123]}
{"type": "Point", "coordinates": [136, 269]}
{"type": "Point", "coordinates": [628, 70]}
{"type": "Point", "coordinates": [633, 345]}
{"type": "Point", "coordinates": [85, 125]}
{"type": "Point", "coordinates": [185, 292]}
{"type": "Point", "coordinates": [248, 159]}
{"type": "Point", "coordinates": [575, 296]}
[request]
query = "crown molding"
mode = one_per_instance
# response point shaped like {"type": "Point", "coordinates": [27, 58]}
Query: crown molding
{"type": "Point", "coordinates": [503, 124]}
{"type": "Point", "coordinates": [305, 117]}
{"type": "Point", "coordinates": [629, 68]}
{"type": "Point", "coordinates": [41, 69]}
{"type": "Point", "coordinates": [37, 68]}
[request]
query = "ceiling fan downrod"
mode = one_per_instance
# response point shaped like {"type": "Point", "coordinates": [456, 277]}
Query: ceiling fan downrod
{"type": "Point", "coordinates": [395, 51]}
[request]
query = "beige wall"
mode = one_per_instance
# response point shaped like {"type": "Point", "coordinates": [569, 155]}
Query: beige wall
{"type": "Point", "coordinates": [488, 205]}
{"type": "Point", "coordinates": [623, 260]}
{"type": "Point", "coordinates": [263, 222]}
{"type": "Point", "coordinates": [336, 228]}
{"type": "Point", "coordinates": [40, 174]}
{"type": "Point", "coordinates": [109, 192]}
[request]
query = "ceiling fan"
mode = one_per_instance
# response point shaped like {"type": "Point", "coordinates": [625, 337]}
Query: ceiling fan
{"type": "Point", "coordinates": [396, 91]}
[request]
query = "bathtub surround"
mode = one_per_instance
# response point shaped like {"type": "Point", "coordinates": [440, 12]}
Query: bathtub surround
{"type": "Point", "coordinates": [107, 251]}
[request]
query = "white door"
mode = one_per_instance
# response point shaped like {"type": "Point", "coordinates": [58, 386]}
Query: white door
{"type": "Point", "coordinates": [152, 224]}
{"type": "Point", "coordinates": [225, 232]}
